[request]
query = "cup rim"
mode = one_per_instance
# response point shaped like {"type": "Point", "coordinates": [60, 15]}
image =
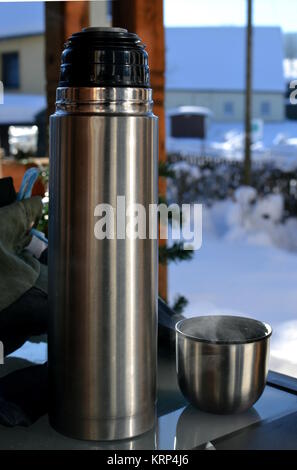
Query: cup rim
{"type": "Point", "coordinates": [218, 341]}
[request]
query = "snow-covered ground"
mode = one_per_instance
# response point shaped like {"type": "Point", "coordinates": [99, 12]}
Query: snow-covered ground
{"type": "Point", "coordinates": [245, 267]}
{"type": "Point", "coordinates": [248, 261]}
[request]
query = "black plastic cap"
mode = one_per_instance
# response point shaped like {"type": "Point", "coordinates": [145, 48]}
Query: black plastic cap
{"type": "Point", "coordinates": [104, 57]}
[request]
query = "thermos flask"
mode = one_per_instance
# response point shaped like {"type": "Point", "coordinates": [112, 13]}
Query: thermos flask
{"type": "Point", "coordinates": [102, 289]}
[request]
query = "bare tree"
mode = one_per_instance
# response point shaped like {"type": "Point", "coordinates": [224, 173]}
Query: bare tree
{"type": "Point", "coordinates": [248, 94]}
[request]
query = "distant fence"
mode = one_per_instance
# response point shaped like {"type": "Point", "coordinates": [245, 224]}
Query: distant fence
{"type": "Point", "coordinates": [201, 160]}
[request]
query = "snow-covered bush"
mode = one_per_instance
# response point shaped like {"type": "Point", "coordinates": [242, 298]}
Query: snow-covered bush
{"type": "Point", "coordinates": [208, 180]}
{"type": "Point", "coordinates": [264, 213]}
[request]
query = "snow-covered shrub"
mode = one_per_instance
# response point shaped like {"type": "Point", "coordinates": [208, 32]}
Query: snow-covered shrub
{"type": "Point", "coordinates": [264, 213]}
{"type": "Point", "coordinates": [207, 180]}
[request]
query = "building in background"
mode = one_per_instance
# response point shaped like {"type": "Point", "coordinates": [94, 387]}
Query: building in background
{"type": "Point", "coordinates": [22, 44]}
{"type": "Point", "coordinates": [290, 70]}
{"type": "Point", "coordinates": [22, 72]}
{"type": "Point", "coordinates": [206, 67]}
{"type": "Point", "coordinates": [22, 66]}
{"type": "Point", "coordinates": [22, 48]}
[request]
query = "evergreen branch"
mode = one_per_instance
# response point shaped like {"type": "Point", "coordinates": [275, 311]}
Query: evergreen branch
{"type": "Point", "coordinates": [162, 199]}
{"type": "Point", "coordinates": [180, 303]}
{"type": "Point", "coordinates": [165, 170]}
{"type": "Point", "coordinates": [174, 253]}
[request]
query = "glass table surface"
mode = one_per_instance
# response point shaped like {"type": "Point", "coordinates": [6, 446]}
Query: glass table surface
{"type": "Point", "coordinates": [179, 426]}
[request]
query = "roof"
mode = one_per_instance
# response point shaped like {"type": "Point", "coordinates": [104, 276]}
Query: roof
{"type": "Point", "coordinates": [20, 108]}
{"type": "Point", "coordinates": [21, 19]}
{"type": "Point", "coordinates": [213, 59]}
{"type": "Point", "coordinates": [199, 110]}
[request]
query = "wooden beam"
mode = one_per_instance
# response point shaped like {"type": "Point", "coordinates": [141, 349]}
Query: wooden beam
{"type": "Point", "coordinates": [145, 17]}
{"type": "Point", "coordinates": [61, 20]}
{"type": "Point", "coordinates": [248, 94]}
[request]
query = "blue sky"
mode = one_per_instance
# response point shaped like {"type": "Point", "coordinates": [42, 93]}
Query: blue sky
{"type": "Point", "coordinates": [230, 12]}
{"type": "Point", "coordinates": [281, 13]}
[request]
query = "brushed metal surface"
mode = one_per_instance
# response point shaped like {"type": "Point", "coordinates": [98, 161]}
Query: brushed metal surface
{"type": "Point", "coordinates": [221, 377]}
{"type": "Point", "coordinates": [105, 100]}
{"type": "Point", "coordinates": [103, 293]}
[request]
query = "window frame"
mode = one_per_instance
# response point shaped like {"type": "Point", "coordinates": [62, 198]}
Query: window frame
{"type": "Point", "coordinates": [265, 113]}
{"type": "Point", "coordinates": [228, 112]}
{"type": "Point", "coordinates": [16, 85]}
{"type": "Point", "coordinates": [286, 383]}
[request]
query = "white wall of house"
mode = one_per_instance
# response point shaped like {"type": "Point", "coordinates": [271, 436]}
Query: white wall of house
{"type": "Point", "coordinates": [31, 50]}
{"type": "Point", "coordinates": [212, 72]}
{"type": "Point", "coordinates": [228, 106]}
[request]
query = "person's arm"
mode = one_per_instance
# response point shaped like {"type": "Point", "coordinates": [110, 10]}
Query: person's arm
{"type": "Point", "coordinates": [16, 221]}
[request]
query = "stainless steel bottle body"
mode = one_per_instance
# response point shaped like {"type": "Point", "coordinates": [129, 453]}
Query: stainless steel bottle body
{"type": "Point", "coordinates": [103, 292]}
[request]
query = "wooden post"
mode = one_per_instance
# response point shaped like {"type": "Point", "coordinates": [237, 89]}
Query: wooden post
{"type": "Point", "coordinates": [61, 20]}
{"type": "Point", "coordinates": [146, 19]}
{"type": "Point", "coordinates": [248, 95]}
